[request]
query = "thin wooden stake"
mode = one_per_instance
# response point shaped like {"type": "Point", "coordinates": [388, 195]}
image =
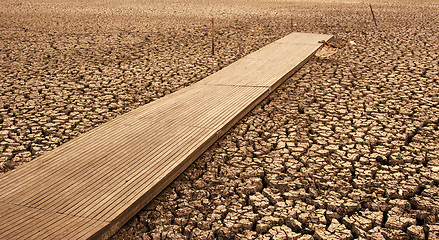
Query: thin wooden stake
{"type": "Point", "coordinates": [292, 25]}
{"type": "Point", "coordinates": [239, 49]}
{"type": "Point", "coordinates": [213, 38]}
{"type": "Point", "coordinates": [373, 15]}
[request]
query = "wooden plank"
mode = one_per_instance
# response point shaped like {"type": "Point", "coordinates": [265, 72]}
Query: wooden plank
{"type": "Point", "coordinates": [262, 69]}
{"type": "Point", "coordinates": [90, 186]}
{"type": "Point", "coordinates": [109, 164]}
{"type": "Point", "coordinates": [86, 178]}
{"type": "Point", "coordinates": [35, 224]}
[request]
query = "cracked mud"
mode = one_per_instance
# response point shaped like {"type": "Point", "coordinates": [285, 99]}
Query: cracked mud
{"type": "Point", "coordinates": [347, 148]}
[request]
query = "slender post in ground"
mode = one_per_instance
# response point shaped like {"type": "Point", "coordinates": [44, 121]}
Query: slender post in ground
{"type": "Point", "coordinates": [239, 49]}
{"type": "Point", "coordinates": [373, 15]}
{"type": "Point", "coordinates": [291, 24]}
{"type": "Point", "coordinates": [213, 38]}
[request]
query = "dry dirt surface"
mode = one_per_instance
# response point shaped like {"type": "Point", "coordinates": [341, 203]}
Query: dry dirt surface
{"type": "Point", "coordinates": [348, 148]}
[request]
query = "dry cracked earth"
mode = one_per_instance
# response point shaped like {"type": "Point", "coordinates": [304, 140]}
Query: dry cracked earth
{"type": "Point", "coordinates": [347, 148]}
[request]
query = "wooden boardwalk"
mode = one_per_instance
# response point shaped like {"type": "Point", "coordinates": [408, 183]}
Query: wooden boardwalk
{"type": "Point", "coordinates": [90, 186]}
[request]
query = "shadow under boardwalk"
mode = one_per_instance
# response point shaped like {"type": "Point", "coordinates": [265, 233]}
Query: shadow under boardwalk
{"type": "Point", "coordinates": [90, 186]}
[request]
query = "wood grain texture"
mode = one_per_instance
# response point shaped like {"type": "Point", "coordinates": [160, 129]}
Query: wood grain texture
{"type": "Point", "coordinates": [90, 186]}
